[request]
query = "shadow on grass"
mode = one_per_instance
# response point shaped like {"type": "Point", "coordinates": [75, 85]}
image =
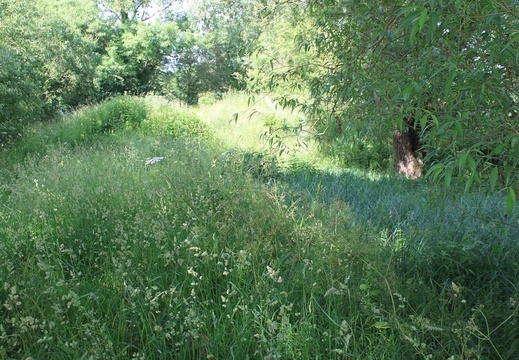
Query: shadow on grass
{"type": "Point", "coordinates": [423, 213]}
{"type": "Point", "coordinates": [433, 238]}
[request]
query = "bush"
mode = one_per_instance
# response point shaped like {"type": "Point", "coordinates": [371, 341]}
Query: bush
{"type": "Point", "coordinates": [121, 112]}
{"type": "Point", "coordinates": [359, 151]}
{"type": "Point", "coordinates": [152, 115]}
{"type": "Point", "coordinates": [174, 122]}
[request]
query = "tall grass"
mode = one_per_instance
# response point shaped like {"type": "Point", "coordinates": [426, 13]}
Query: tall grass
{"type": "Point", "coordinates": [103, 256]}
{"type": "Point", "coordinates": [113, 118]}
{"type": "Point", "coordinates": [255, 124]}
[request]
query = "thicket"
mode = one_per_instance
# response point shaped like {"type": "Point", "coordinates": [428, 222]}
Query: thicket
{"type": "Point", "coordinates": [441, 74]}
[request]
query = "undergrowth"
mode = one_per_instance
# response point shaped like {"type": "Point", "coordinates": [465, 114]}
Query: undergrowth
{"type": "Point", "coordinates": [106, 254]}
{"type": "Point", "coordinates": [114, 117]}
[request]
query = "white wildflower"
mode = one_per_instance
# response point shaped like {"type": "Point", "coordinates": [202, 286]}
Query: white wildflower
{"type": "Point", "coordinates": [274, 275]}
{"type": "Point", "coordinates": [332, 291]}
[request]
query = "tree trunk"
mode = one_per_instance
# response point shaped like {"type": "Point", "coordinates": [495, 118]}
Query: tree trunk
{"type": "Point", "coordinates": [405, 146]}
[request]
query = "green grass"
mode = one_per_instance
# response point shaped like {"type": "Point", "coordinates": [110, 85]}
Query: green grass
{"type": "Point", "coordinates": [206, 254]}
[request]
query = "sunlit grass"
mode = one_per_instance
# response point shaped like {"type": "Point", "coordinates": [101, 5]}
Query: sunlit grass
{"type": "Point", "coordinates": [254, 123]}
{"type": "Point", "coordinates": [242, 132]}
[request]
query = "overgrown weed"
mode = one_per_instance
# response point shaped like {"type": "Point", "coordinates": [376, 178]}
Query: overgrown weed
{"type": "Point", "coordinates": [103, 256]}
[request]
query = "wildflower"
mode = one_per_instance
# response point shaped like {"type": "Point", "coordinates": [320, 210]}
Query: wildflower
{"type": "Point", "coordinates": [332, 291]}
{"type": "Point", "coordinates": [274, 275]}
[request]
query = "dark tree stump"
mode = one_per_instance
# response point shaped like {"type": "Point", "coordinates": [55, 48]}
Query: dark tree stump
{"type": "Point", "coordinates": [405, 160]}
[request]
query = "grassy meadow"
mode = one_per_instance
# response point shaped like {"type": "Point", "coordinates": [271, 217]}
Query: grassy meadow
{"type": "Point", "coordinates": [142, 229]}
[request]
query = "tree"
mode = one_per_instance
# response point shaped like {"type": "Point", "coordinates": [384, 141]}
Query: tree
{"type": "Point", "coordinates": [213, 48]}
{"type": "Point", "coordinates": [20, 96]}
{"type": "Point", "coordinates": [46, 64]}
{"type": "Point", "coordinates": [69, 68]}
{"type": "Point", "coordinates": [229, 30]}
{"type": "Point", "coordinates": [189, 69]}
{"type": "Point", "coordinates": [133, 58]}
{"type": "Point", "coordinates": [135, 43]}
{"type": "Point", "coordinates": [440, 76]}
{"type": "Point", "coordinates": [123, 11]}
{"type": "Point", "coordinates": [58, 54]}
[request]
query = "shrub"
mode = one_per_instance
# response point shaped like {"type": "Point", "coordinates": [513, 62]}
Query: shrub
{"type": "Point", "coordinates": [121, 112]}
{"type": "Point", "coordinates": [209, 98]}
{"type": "Point", "coordinates": [174, 122]}
{"type": "Point", "coordinates": [153, 115]}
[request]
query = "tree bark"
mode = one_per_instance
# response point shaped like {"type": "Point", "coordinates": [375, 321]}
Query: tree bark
{"type": "Point", "coordinates": [405, 145]}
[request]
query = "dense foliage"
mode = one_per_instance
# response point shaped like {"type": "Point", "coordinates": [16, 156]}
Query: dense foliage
{"type": "Point", "coordinates": [445, 70]}
{"type": "Point", "coordinates": [57, 55]}
{"type": "Point", "coordinates": [46, 64]}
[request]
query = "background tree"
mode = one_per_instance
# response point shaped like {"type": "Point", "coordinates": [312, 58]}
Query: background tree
{"type": "Point", "coordinates": [60, 54]}
{"type": "Point", "coordinates": [133, 58]}
{"type": "Point", "coordinates": [434, 80]}
{"type": "Point", "coordinates": [69, 69]}
{"type": "Point", "coordinates": [46, 62]}
{"type": "Point", "coordinates": [213, 49]}
{"type": "Point", "coordinates": [230, 32]}
{"type": "Point", "coordinates": [186, 76]}
{"type": "Point", "coordinates": [20, 97]}
{"type": "Point", "coordinates": [135, 40]}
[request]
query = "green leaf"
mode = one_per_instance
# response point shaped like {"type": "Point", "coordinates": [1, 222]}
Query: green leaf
{"type": "Point", "coordinates": [499, 149]}
{"type": "Point", "coordinates": [458, 130]}
{"type": "Point", "coordinates": [510, 201]}
{"type": "Point", "coordinates": [433, 24]}
{"type": "Point", "coordinates": [251, 100]}
{"type": "Point", "coordinates": [448, 84]}
{"type": "Point", "coordinates": [382, 325]}
{"type": "Point", "coordinates": [435, 121]}
{"type": "Point", "coordinates": [472, 164]}
{"type": "Point", "coordinates": [422, 19]}
{"type": "Point", "coordinates": [412, 35]}
{"type": "Point", "coordinates": [462, 160]}
{"type": "Point", "coordinates": [400, 121]}
{"type": "Point", "coordinates": [507, 173]}
{"type": "Point", "coordinates": [493, 178]}
{"type": "Point", "coordinates": [406, 93]}
{"type": "Point", "coordinates": [435, 171]}
{"type": "Point", "coordinates": [469, 183]}
{"type": "Point", "coordinates": [448, 176]}
{"type": "Point", "coordinates": [423, 121]}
